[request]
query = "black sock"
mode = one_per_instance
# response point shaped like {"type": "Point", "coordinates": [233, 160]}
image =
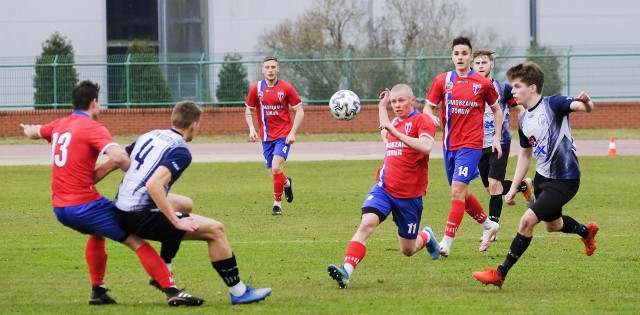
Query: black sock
{"type": "Point", "coordinates": [570, 225]}
{"type": "Point", "coordinates": [495, 208]}
{"type": "Point", "coordinates": [228, 270]}
{"type": "Point", "coordinates": [169, 249]}
{"type": "Point", "coordinates": [506, 185]}
{"type": "Point", "coordinates": [518, 247]}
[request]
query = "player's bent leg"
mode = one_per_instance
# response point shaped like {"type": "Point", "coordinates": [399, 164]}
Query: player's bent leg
{"type": "Point", "coordinates": [214, 233]}
{"type": "Point", "coordinates": [527, 222]}
{"type": "Point", "coordinates": [180, 203]}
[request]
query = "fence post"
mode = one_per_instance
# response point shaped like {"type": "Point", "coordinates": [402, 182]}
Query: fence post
{"type": "Point", "coordinates": [421, 61]}
{"type": "Point", "coordinates": [127, 101]}
{"type": "Point", "coordinates": [347, 70]}
{"type": "Point", "coordinates": [569, 70]}
{"type": "Point", "coordinates": [55, 82]}
{"type": "Point", "coordinates": [200, 85]}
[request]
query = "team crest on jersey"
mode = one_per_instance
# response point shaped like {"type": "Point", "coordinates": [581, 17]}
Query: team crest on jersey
{"type": "Point", "coordinates": [449, 86]}
{"type": "Point", "coordinates": [476, 88]}
{"type": "Point", "coordinates": [280, 96]}
{"type": "Point", "coordinates": [407, 128]}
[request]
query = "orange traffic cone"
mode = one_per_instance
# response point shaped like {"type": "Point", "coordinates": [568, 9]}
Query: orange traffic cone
{"type": "Point", "coordinates": [612, 147]}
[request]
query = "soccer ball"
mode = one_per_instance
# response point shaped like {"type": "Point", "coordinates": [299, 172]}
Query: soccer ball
{"type": "Point", "coordinates": [344, 105]}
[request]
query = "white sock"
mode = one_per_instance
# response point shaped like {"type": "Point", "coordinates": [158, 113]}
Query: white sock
{"type": "Point", "coordinates": [287, 184]}
{"type": "Point", "coordinates": [349, 268]}
{"type": "Point", "coordinates": [487, 224]}
{"type": "Point", "coordinates": [447, 240]}
{"type": "Point", "coordinates": [277, 203]}
{"type": "Point", "coordinates": [238, 289]}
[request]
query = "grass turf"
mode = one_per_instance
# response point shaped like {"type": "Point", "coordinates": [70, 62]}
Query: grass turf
{"type": "Point", "coordinates": [42, 265]}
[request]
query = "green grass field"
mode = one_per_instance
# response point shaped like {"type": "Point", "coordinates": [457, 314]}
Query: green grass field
{"type": "Point", "coordinates": [43, 271]}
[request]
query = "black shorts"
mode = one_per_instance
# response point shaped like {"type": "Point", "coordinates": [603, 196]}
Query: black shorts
{"type": "Point", "coordinates": [150, 225]}
{"type": "Point", "coordinates": [491, 166]}
{"type": "Point", "coordinates": [551, 195]}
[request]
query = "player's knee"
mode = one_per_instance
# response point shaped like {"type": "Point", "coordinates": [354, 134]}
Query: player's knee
{"type": "Point", "coordinates": [407, 251]}
{"type": "Point", "coordinates": [495, 187]}
{"type": "Point", "coordinates": [276, 169]}
{"type": "Point", "coordinates": [216, 230]}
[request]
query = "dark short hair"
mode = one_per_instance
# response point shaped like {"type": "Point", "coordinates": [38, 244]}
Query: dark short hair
{"type": "Point", "coordinates": [487, 53]}
{"type": "Point", "coordinates": [528, 72]}
{"type": "Point", "coordinates": [461, 40]}
{"type": "Point", "coordinates": [83, 94]}
{"type": "Point", "coordinates": [269, 58]}
{"type": "Point", "coordinates": [185, 113]}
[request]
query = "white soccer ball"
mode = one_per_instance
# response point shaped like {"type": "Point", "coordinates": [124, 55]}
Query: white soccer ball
{"type": "Point", "coordinates": [344, 105]}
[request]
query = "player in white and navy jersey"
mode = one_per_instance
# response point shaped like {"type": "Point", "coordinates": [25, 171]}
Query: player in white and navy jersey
{"type": "Point", "coordinates": [493, 168]}
{"type": "Point", "coordinates": [273, 99]}
{"type": "Point", "coordinates": [464, 95]}
{"type": "Point", "coordinates": [146, 208]}
{"type": "Point", "coordinates": [401, 182]}
{"type": "Point", "coordinates": [545, 133]}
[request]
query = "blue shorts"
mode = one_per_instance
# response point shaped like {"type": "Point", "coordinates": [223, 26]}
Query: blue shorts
{"type": "Point", "coordinates": [462, 165]}
{"type": "Point", "coordinates": [94, 217]}
{"type": "Point", "coordinates": [275, 147]}
{"type": "Point", "coordinates": [406, 211]}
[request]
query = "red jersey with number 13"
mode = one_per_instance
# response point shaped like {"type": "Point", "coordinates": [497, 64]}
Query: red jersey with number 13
{"type": "Point", "coordinates": [272, 105]}
{"type": "Point", "coordinates": [463, 108]}
{"type": "Point", "coordinates": [76, 142]}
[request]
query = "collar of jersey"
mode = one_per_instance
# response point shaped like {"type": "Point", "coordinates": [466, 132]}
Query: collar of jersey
{"type": "Point", "coordinates": [81, 113]}
{"type": "Point", "coordinates": [455, 73]}
{"type": "Point", "coordinates": [176, 131]}
{"type": "Point", "coordinates": [534, 107]}
{"type": "Point", "coordinates": [264, 83]}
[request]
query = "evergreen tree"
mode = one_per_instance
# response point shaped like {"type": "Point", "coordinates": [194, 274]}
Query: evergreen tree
{"type": "Point", "coordinates": [233, 86]}
{"type": "Point", "coordinates": [66, 76]}
{"type": "Point", "coordinates": [146, 82]}
{"type": "Point", "coordinates": [550, 65]}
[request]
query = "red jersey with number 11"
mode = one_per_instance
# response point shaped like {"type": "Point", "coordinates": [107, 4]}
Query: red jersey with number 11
{"type": "Point", "coordinates": [76, 142]}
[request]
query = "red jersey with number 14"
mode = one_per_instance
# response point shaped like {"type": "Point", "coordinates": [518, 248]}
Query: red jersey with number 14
{"type": "Point", "coordinates": [404, 171]}
{"type": "Point", "coordinates": [272, 104]}
{"type": "Point", "coordinates": [76, 142]}
{"type": "Point", "coordinates": [463, 108]}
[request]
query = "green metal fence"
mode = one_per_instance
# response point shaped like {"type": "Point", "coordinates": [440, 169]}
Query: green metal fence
{"type": "Point", "coordinates": [605, 72]}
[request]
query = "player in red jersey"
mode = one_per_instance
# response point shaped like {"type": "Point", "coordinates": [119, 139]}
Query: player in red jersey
{"type": "Point", "coordinates": [464, 94]}
{"type": "Point", "coordinates": [76, 142]}
{"type": "Point", "coordinates": [272, 99]}
{"type": "Point", "coordinates": [401, 182]}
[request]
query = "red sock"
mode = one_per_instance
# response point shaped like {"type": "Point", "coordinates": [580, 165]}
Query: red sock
{"type": "Point", "coordinates": [355, 253]}
{"type": "Point", "coordinates": [96, 256]}
{"type": "Point", "coordinates": [278, 186]}
{"type": "Point", "coordinates": [154, 265]}
{"type": "Point", "coordinates": [474, 209]}
{"type": "Point", "coordinates": [425, 238]}
{"type": "Point", "coordinates": [455, 218]}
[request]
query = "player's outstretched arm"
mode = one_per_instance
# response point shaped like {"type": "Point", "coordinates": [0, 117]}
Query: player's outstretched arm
{"type": "Point", "coordinates": [156, 188]}
{"type": "Point", "coordinates": [497, 118]}
{"type": "Point", "coordinates": [522, 167]}
{"type": "Point", "coordinates": [31, 131]}
{"type": "Point", "coordinates": [383, 115]}
{"type": "Point", "coordinates": [582, 102]}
